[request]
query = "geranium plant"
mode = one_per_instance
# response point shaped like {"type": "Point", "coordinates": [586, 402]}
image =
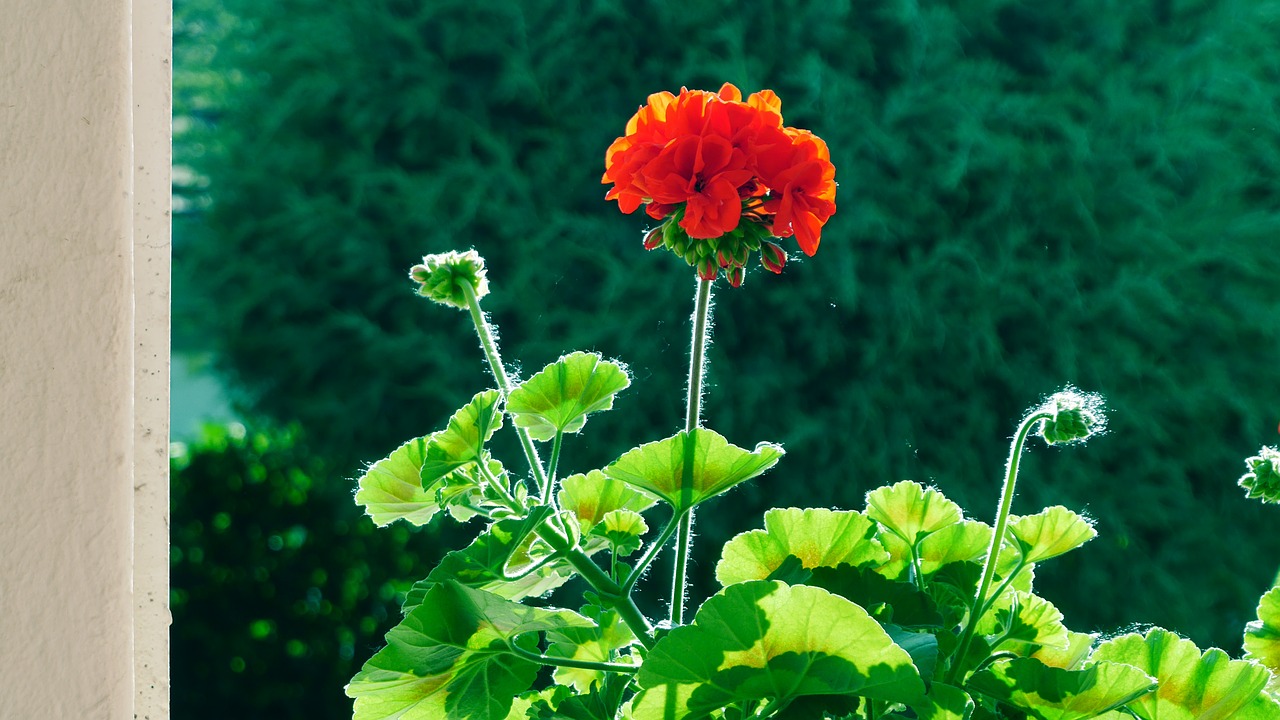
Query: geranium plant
{"type": "Point", "coordinates": [903, 609]}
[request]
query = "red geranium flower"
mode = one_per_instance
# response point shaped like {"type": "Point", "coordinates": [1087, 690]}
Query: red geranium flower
{"type": "Point", "coordinates": [708, 161]}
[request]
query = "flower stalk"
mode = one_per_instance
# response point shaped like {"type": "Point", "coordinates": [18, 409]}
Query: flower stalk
{"type": "Point", "coordinates": [692, 420]}
{"type": "Point", "coordinates": [981, 603]}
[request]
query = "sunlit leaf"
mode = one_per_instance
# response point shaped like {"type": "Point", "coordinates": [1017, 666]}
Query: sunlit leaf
{"type": "Point", "coordinates": [1050, 533]}
{"type": "Point", "coordinates": [451, 657]}
{"type": "Point", "coordinates": [1021, 622]}
{"type": "Point", "coordinates": [592, 496]}
{"type": "Point", "coordinates": [911, 511]}
{"type": "Point", "coordinates": [1192, 685]}
{"type": "Point", "coordinates": [691, 467]}
{"type": "Point", "coordinates": [965, 540]}
{"type": "Point", "coordinates": [1262, 636]}
{"type": "Point", "coordinates": [462, 441]}
{"type": "Point", "coordinates": [1051, 693]}
{"type": "Point", "coordinates": [904, 604]}
{"type": "Point", "coordinates": [482, 565]}
{"type": "Point", "coordinates": [595, 643]}
{"type": "Point", "coordinates": [764, 639]}
{"type": "Point", "coordinates": [623, 529]}
{"type": "Point", "coordinates": [391, 489]}
{"type": "Point", "coordinates": [561, 395]}
{"type": "Point", "coordinates": [1071, 657]}
{"type": "Point", "coordinates": [816, 536]}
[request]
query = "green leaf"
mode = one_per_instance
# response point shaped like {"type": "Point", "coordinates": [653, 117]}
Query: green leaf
{"type": "Point", "coordinates": [483, 564]}
{"type": "Point", "coordinates": [1021, 622]}
{"type": "Point", "coordinates": [691, 467]}
{"type": "Point", "coordinates": [967, 540]}
{"type": "Point", "coordinates": [1050, 533]}
{"type": "Point", "coordinates": [1051, 693]}
{"type": "Point", "coordinates": [818, 537]}
{"type": "Point", "coordinates": [921, 646]}
{"type": "Point", "coordinates": [451, 658]}
{"type": "Point", "coordinates": [592, 496]}
{"type": "Point", "coordinates": [596, 643]}
{"type": "Point", "coordinates": [1071, 657]}
{"type": "Point", "coordinates": [944, 702]}
{"type": "Point", "coordinates": [561, 395]}
{"type": "Point", "coordinates": [391, 489]}
{"type": "Point", "coordinates": [760, 639]}
{"type": "Point", "coordinates": [907, 605]}
{"type": "Point", "coordinates": [1262, 636]}
{"type": "Point", "coordinates": [622, 529]}
{"type": "Point", "coordinates": [462, 441]}
{"type": "Point", "coordinates": [911, 511]}
{"type": "Point", "coordinates": [1192, 685]}
{"type": "Point", "coordinates": [599, 704]}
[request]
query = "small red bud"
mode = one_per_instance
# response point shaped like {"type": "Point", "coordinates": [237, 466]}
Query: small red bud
{"type": "Point", "coordinates": [707, 269]}
{"type": "Point", "coordinates": [772, 257]}
{"type": "Point", "coordinates": [724, 258]}
{"type": "Point", "coordinates": [653, 238]}
{"type": "Point", "coordinates": [736, 275]}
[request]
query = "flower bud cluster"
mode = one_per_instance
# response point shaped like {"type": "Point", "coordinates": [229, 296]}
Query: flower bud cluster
{"type": "Point", "coordinates": [1262, 482]}
{"type": "Point", "coordinates": [441, 277]}
{"type": "Point", "coordinates": [1075, 416]}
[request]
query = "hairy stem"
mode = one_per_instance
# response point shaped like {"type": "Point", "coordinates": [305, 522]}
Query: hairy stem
{"type": "Point", "coordinates": [485, 332]}
{"type": "Point", "coordinates": [981, 603]}
{"type": "Point", "coordinates": [650, 553]}
{"type": "Point", "coordinates": [552, 465]}
{"type": "Point", "coordinates": [692, 420]}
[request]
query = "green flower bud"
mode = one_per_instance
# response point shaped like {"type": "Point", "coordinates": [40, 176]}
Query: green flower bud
{"type": "Point", "coordinates": [1263, 479]}
{"type": "Point", "coordinates": [1076, 416]}
{"type": "Point", "coordinates": [441, 277]}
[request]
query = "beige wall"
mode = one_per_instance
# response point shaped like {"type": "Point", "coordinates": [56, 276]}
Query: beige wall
{"type": "Point", "coordinates": [84, 241]}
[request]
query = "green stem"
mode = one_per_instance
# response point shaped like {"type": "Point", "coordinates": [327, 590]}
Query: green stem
{"type": "Point", "coordinates": [981, 603]}
{"type": "Point", "coordinates": [504, 384]}
{"type": "Point", "coordinates": [501, 487]}
{"type": "Point", "coordinates": [650, 553]}
{"type": "Point", "coordinates": [569, 662]}
{"type": "Point", "coordinates": [692, 420]}
{"type": "Point", "coordinates": [551, 467]}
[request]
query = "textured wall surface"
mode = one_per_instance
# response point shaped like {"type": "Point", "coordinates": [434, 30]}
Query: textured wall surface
{"type": "Point", "coordinates": [69, 421]}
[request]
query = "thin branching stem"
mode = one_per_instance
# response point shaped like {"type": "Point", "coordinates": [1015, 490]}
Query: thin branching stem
{"type": "Point", "coordinates": [609, 591]}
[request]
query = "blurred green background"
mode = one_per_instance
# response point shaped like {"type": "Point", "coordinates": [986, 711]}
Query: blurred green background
{"type": "Point", "coordinates": [1030, 195]}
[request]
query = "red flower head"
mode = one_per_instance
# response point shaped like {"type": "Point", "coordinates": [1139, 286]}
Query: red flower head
{"type": "Point", "coordinates": [704, 162]}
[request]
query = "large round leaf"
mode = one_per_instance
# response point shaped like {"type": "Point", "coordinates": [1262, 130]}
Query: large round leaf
{"type": "Point", "coordinates": [451, 658]}
{"type": "Point", "coordinates": [818, 537]}
{"type": "Point", "coordinates": [691, 467]}
{"type": "Point", "coordinates": [1193, 686]}
{"type": "Point", "coordinates": [1050, 533]}
{"type": "Point", "coordinates": [559, 398]}
{"type": "Point", "coordinates": [1262, 636]}
{"type": "Point", "coordinates": [768, 640]}
{"type": "Point", "coordinates": [911, 511]}
{"type": "Point", "coordinates": [391, 489]}
{"type": "Point", "coordinates": [1051, 693]}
